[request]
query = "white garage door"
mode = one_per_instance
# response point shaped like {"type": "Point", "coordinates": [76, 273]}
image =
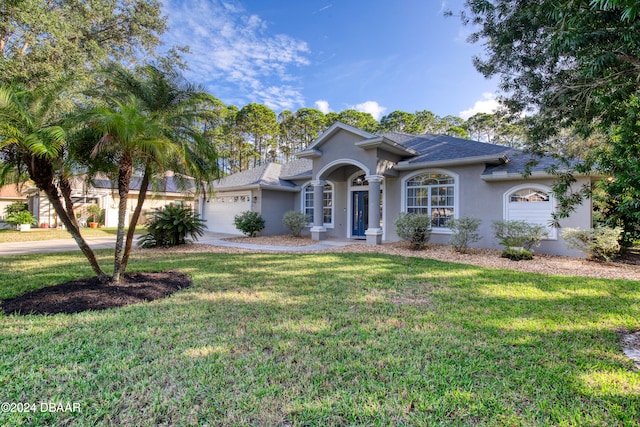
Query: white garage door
{"type": "Point", "coordinates": [220, 210]}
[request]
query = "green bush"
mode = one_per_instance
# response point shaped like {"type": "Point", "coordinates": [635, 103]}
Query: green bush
{"type": "Point", "coordinates": [465, 232]}
{"type": "Point", "coordinates": [21, 217]}
{"type": "Point", "coordinates": [414, 228]}
{"type": "Point", "coordinates": [519, 234]}
{"type": "Point", "coordinates": [94, 213]}
{"type": "Point", "coordinates": [295, 221]}
{"type": "Point", "coordinates": [600, 243]}
{"type": "Point", "coordinates": [16, 207]}
{"type": "Point", "coordinates": [250, 223]}
{"type": "Point", "coordinates": [170, 226]}
{"type": "Point", "coordinates": [519, 254]}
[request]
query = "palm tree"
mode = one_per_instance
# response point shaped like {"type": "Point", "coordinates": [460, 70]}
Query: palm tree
{"type": "Point", "coordinates": [176, 110]}
{"type": "Point", "coordinates": [132, 139]}
{"type": "Point", "coordinates": [32, 144]}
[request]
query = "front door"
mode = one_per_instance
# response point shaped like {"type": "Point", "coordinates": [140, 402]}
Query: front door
{"type": "Point", "coordinates": [360, 209]}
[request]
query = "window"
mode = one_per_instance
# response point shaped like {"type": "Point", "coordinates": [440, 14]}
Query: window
{"type": "Point", "coordinates": [432, 194]}
{"type": "Point", "coordinates": [533, 204]}
{"type": "Point", "coordinates": [327, 203]}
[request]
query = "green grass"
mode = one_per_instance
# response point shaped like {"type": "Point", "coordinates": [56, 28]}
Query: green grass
{"type": "Point", "coordinates": [330, 339]}
{"type": "Point", "coordinates": [34, 234]}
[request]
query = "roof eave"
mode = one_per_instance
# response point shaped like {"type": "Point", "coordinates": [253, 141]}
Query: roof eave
{"type": "Point", "coordinates": [387, 145]}
{"type": "Point", "coordinates": [308, 154]}
{"type": "Point", "coordinates": [509, 176]}
{"type": "Point", "coordinates": [297, 177]}
{"type": "Point", "coordinates": [406, 165]}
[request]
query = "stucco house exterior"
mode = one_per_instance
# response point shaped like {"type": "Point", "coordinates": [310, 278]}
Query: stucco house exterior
{"type": "Point", "coordinates": [362, 182]}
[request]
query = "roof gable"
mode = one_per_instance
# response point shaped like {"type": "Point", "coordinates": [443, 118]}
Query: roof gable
{"type": "Point", "coordinates": [312, 149]}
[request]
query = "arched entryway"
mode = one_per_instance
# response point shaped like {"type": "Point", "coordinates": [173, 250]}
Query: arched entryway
{"type": "Point", "coordinates": [361, 194]}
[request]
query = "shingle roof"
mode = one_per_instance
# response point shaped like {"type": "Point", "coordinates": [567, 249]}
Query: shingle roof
{"type": "Point", "coordinates": [263, 175]}
{"type": "Point", "coordinates": [168, 184]}
{"type": "Point", "coordinates": [442, 147]}
{"type": "Point", "coordinates": [297, 168]}
{"type": "Point", "coordinates": [518, 161]}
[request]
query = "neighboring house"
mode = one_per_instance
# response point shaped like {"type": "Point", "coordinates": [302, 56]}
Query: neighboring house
{"type": "Point", "coordinates": [103, 192]}
{"type": "Point", "coordinates": [9, 194]}
{"type": "Point", "coordinates": [362, 182]}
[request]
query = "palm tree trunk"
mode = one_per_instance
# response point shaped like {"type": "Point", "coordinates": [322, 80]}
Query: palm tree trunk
{"type": "Point", "coordinates": [65, 188]}
{"type": "Point", "coordinates": [42, 174]}
{"type": "Point", "coordinates": [124, 179]}
{"type": "Point", "coordinates": [136, 215]}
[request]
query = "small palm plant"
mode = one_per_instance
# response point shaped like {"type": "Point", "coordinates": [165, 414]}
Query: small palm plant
{"type": "Point", "coordinates": [171, 225]}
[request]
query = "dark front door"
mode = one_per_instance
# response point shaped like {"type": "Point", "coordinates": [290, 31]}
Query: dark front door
{"type": "Point", "coordinates": [360, 209]}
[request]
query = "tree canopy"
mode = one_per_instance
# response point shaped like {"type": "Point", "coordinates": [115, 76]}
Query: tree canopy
{"type": "Point", "coordinates": [575, 65]}
{"type": "Point", "coordinates": [43, 40]}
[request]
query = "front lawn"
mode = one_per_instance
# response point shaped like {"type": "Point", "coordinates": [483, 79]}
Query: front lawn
{"type": "Point", "coordinates": [324, 339]}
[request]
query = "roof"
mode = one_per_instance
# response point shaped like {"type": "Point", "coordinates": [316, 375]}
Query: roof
{"type": "Point", "coordinates": [415, 151]}
{"type": "Point", "coordinates": [434, 148]}
{"type": "Point", "coordinates": [168, 184]}
{"type": "Point", "coordinates": [11, 192]}
{"type": "Point", "coordinates": [263, 176]}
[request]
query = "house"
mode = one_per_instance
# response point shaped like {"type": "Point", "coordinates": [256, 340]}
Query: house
{"type": "Point", "coordinates": [9, 194]}
{"type": "Point", "coordinates": [103, 192]}
{"type": "Point", "coordinates": [362, 182]}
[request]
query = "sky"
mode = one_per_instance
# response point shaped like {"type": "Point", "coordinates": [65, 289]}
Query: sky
{"type": "Point", "coordinates": [375, 56]}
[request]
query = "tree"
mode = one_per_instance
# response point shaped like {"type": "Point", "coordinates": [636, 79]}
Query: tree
{"type": "Point", "coordinates": [258, 122]}
{"type": "Point", "coordinates": [33, 143]}
{"type": "Point", "coordinates": [131, 138]}
{"type": "Point", "coordinates": [575, 64]}
{"type": "Point", "coordinates": [402, 122]}
{"type": "Point", "coordinates": [157, 127]}
{"type": "Point", "coordinates": [42, 41]}
{"type": "Point", "coordinates": [358, 119]}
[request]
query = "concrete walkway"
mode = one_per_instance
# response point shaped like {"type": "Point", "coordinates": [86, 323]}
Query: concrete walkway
{"type": "Point", "coordinates": [215, 239]}
{"type": "Point", "coordinates": [321, 245]}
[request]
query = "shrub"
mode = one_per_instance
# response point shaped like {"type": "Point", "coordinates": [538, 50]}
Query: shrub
{"type": "Point", "coordinates": [519, 234]}
{"type": "Point", "coordinates": [414, 228]}
{"type": "Point", "coordinates": [16, 207]}
{"type": "Point", "coordinates": [465, 232]}
{"type": "Point", "coordinates": [598, 243]}
{"type": "Point", "coordinates": [517, 254]}
{"type": "Point", "coordinates": [295, 221]}
{"type": "Point", "coordinates": [20, 217]}
{"type": "Point", "coordinates": [170, 226]}
{"type": "Point", "coordinates": [250, 223]}
{"type": "Point", "coordinates": [94, 213]}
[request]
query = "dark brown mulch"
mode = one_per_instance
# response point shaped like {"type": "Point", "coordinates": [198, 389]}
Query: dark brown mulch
{"type": "Point", "coordinates": [89, 294]}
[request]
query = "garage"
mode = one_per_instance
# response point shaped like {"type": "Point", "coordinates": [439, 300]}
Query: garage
{"type": "Point", "coordinates": [220, 210]}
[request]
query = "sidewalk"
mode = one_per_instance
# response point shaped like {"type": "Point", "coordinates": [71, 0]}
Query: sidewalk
{"type": "Point", "coordinates": [215, 239]}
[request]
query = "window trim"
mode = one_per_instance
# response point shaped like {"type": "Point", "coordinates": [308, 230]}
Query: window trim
{"type": "Point", "coordinates": [333, 202]}
{"type": "Point", "coordinates": [456, 194]}
{"type": "Point", "coordinates": [506, 201]}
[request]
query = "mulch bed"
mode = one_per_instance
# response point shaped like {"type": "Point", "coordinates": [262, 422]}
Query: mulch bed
{"type": "Point", "coordinates": [89, 294]}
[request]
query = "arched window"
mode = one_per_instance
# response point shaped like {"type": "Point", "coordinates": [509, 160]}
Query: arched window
{"type": "Point", "coordinates": [327, 203]}
{"type": "Point", "coordinates": [531, 203]}
{"type": "Point", "coordinates": [432, 193]}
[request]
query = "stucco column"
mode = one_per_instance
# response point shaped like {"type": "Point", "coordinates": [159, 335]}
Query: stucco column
{"type": "Point", "coordinates": [374, 232]}
{"type": "Point", "coordinates": [318, 231]}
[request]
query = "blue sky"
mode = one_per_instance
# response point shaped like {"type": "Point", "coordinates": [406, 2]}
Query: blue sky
{"type": "Point", "coordinates": [374, 56]}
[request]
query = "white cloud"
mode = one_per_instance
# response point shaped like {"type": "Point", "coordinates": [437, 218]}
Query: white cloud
{"type": "Point", "coordinates": [323, 106]}
{"type": "Point", "coordinates": [371, 107]}
{"type": "Point", "coordinates": [489, 104]}
{"type": "Point", "coordinates": [234, 51]}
